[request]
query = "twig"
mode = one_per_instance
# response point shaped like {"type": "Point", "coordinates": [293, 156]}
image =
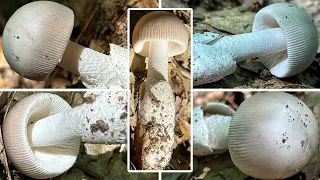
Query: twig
{"type": "Point", "coordinates": [181, 70]}
{"type": "Point", "coordinates": [71, 97]}
{"type": "Point", "coordinates": [133, 166]}
{"type": "Point", "coordinates": [87, 24]}
{"type": "Point", "coordinates": [51, 77]}
{"type": "Point", "coordinates": [9, 104]}
{"type": "Point", "coordinates": [3, 151]}
{"type": "Point", "coordinates": [185, 90]}
{"type": "Point", "coordinates": [171, 166]}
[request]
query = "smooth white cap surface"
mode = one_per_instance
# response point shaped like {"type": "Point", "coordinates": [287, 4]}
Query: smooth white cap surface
{"type": "Point", "coordinates": [272, 136]}
{"type": "Point", "coordinates": [35, 38]}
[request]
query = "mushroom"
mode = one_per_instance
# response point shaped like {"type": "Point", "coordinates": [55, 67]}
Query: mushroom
{"type": "Point", "coordinates": [272, 135]}
{"type": "Point", "coordinates": [211, 125]}
{"type": "Point", "coordinates": [283, 36]}
{"type": "Point", "coordinates": [157, 35]}
{"type": "Point", "coordinates": [42, 132]}
{"type": "Point", "coordinates": [36, 40]}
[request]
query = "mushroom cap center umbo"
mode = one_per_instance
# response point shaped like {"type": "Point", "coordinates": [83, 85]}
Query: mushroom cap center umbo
{"type": "Point", "coordinates": [160, 25]}
{"type": "Point", "coordinates": [35, 38]}
{"type": "Point", "coordinates": [272, 136]}
{"type": "Point", "coordinates": [37, 162]}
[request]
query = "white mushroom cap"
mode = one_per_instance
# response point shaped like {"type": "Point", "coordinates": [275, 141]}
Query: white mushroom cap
{"type": "Point", "coordinates": [37, 162]}
{"type": "Point", "coordinates": [35, 38]}
{"type": "Point", "coordinates": [211, 124]}
{"type": "Point", "coordinates": [272, 136]}
{"type": "Point", "coordinates": [156, 26]}
{"type": "Point", "coordinates": [300, 34]}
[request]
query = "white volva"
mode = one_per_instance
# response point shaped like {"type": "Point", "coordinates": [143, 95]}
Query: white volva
{"type": "Point", "coordinates": [211, 122]}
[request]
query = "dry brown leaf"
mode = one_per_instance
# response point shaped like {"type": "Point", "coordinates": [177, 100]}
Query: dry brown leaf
{"type": "Point", "coordinates": [185, 129]}
{"type": "Point", "coordinates": [148, 4]}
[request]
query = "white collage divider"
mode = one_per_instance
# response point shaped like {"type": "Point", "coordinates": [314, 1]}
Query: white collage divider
{"type": "Point", "coordinates": [128, 90]}
{"type": "Point", "coordinates": [191, 92]}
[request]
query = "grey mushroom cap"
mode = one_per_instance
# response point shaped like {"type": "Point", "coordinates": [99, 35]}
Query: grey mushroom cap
{"type": "Point", "coordinates": [301, 38]}
{"type": "Point", "coordinates": [35, 38]}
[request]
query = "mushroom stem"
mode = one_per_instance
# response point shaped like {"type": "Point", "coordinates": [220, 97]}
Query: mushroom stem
{"type": "Point", "coordinates": [155, 127]}
{"type": "Point", "coordinates": [158, 61]}
{"type": "Point", "coordinates": [56, 129]}
{"type": "Point", "coordinates": [71, 57]}
{"type": "Point", "coordinates": [103, 121]}
{"type": "Point", "coordinates": [251, 45]}
{"type": "Point", "coordinates": [94, 67]}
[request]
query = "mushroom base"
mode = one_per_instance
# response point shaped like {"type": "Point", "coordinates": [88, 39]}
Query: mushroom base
{"type": "Point", "coordinates": [213, 128]}
{"type": "Point", "coordinates": [154, 134]}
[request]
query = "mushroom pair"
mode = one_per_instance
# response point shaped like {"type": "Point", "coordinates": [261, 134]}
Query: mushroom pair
{"type": "Point", "coordinates": [42, 133]}
{"type": "Point", "coordinates": [271, 136]}
{"type": "Point", "coordinates": [157, 35]}
{"type": "Point", "coordinates": [36, 40]}
{"type": "Point", "coordinates": [283, 36]}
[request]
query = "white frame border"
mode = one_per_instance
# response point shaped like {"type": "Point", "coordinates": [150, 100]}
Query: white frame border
{"type": "Point", "coordinates": [191, 91]}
